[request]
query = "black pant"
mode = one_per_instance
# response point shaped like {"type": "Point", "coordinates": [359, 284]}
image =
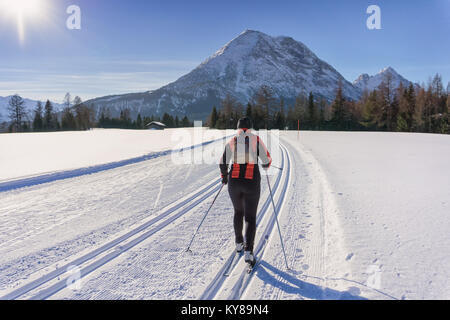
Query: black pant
{"type": "Point", "coordinates": [245, 197]}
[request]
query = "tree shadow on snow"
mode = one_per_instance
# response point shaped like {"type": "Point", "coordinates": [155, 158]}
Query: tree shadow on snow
{"type": "Point", "coordinates": [294, 285]}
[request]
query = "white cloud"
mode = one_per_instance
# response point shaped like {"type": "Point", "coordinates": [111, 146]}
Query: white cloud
{"type": "Point", "coordinates": [125, 76]}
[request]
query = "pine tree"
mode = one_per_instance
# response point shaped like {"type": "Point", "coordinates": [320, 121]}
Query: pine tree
{"type": "Point", "coordinates": [213, 118]}
{"type": "Point", "coordinates": [281, 117]}
{"type": "Point", "coordinates": [102, 120]}
{"type": "Point", "coordinates": [68, 122]}
{"type": "Point", "coordinates": [139, 122]}
{"type": "Point", "coordinates": [448, 99]}
{"type": "Point", "coordinates": [394, 112]}
{"type": "Point", "coordinates": [322, 114]}
{"type": "Point", "coordinates": [16, 108]}
{"type": "Point", "coordinates": [38, 121]}
{"type": "Point", "coordinates": [248, 111]}
{"type": "Point", "coordinates": [419, 114]}
{"type": "Point", "coordinates": [402, 125]}
{"type": "Point", "coordinates": [387, 94]}
{"type": "Point", "coordinates": [56, 123]}
{"type": "Point", "coordinates": [228, 109]}
{"type": "Point", "coordinates": [185, 122]}
{"type": "Point", "coordinates": [77, 100]}
{"type": "Point", "coordinates": [124, 118]}
{"type": "Point", "coordinates": [300, 110]}
{"type": "Point", "coordinates": [67, 100]}
{"type": "Point", "coordinates": [264, 105]}
{"type": "Point", "coordinates": [49, 124]}
{"type": "Point", "coordinates": [168, 120]}
{"type": "Point", "coordinates": [429, 109]}
{"type": "Point", "coordinates": [311, 112]}
{"type": "Point", "coordinates": [439, 95]}
{"type": "Point", "coordinates": [410, 96]}
{"type": "Point", "coordinates": [338, 109]}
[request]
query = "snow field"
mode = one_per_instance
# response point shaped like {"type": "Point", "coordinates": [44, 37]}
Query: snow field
{"type": "Point", "coordinates": [47, 223]}
{"type": "Point", "coordinates": [365, 215]}
{"type": "Point", "coordinates": [29, 154]}
{"type": "Point", "coordinates": [312, 239]}
{"type": "Point", "coordinates": [391, 191]}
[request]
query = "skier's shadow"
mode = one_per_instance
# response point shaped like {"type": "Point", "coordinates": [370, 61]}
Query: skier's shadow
{"type": "Point", "coordinates": [297, 286]}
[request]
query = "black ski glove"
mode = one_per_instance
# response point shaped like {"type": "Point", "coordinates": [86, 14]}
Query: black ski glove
{"type": "Point", "coordinates": [266, 166]}
{"type": "Point", "coordinates": [225, 180]}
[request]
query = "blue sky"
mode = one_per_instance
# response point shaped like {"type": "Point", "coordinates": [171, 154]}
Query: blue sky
{"type": "Point", "coordinates": [139, 45]}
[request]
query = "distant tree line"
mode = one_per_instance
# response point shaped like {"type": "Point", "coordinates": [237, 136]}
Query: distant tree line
{"type": "Point", "coordinates": [125, 122]}
{"type": "Point", "coordinates": [74, 116]}
{"type": "Point", "coordinates": [78, 116]}
{"type": "Point", "coordinates": [387, 108]}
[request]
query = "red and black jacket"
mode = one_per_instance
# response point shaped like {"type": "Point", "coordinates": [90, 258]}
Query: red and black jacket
{"type": "Point", "coordinates": [244, 150]}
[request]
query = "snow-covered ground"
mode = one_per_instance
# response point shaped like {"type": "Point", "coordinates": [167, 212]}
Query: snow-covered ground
{"type": "Point", "coordinates": [28, 154]}
{"type": "Point", "coordinates": [363, 216]}
{"type": "Point", "coordinates": [393, 199]}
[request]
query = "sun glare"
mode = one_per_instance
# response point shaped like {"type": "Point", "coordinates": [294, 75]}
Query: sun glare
{"type": "Point", "coordinates": [23, 7]}
{"type": "Point", "coordinates": [23, 11]}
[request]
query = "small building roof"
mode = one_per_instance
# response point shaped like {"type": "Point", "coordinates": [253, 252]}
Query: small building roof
{"type": "Point", "coordinates": [156, 123]}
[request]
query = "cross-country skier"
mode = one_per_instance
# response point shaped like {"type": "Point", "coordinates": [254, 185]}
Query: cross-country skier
{"type": "Point", "coordinates": [244, 182]}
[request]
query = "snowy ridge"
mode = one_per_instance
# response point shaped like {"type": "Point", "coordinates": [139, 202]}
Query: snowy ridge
{"type": "Point", "coordinates": [370, 83]}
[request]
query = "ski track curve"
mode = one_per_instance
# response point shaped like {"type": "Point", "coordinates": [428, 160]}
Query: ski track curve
{"type": "Point", "coordinates": [186, 206]}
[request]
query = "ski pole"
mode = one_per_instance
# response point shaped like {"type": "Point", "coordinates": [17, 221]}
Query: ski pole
{"type": "Point", "coordinates": [277, 167]}
{"type": "Point", "coordinates": [204, 217]}
{"type": "Point", "coordinates": [278, 225]}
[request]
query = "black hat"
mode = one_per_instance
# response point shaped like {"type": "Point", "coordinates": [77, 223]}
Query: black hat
{"type": "Point", "coordinates": [245, 123]}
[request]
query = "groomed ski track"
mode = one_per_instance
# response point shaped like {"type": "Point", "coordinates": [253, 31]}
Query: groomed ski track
{"type": "Point", "coordinates": [47, 285]}
{"type": "Point", "coordinates": [241, 282]}
{"type": "Point", "coordinates": [148, 259]}
{"type": "Point", "coordinates": [113, 248]}
{"type": "Point", "coordinates": [126, 229]}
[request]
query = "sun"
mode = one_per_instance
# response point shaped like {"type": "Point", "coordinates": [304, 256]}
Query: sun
{"type": "Point", "coordinates": [23, 11]}
{"type": "Point", "coordinates": [24, 8]}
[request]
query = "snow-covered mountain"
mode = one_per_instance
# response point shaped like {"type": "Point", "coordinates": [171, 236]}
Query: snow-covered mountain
{"type": "Point", "coordinates": [239, 68]}
{"type": "Point", "coordinates": [369, 83]}
{"type": "Point", "coordinates": [30, 105]}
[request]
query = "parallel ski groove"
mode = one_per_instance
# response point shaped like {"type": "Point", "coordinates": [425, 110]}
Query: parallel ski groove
{"type": "Point", "coordinates": [245, 278]}
{"type": "Point", "coordinates": [110, 245]}
{"type": "Point", "coordinates": [216, 284]}
{"type": "Point", "coordinates": [44, 294]}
